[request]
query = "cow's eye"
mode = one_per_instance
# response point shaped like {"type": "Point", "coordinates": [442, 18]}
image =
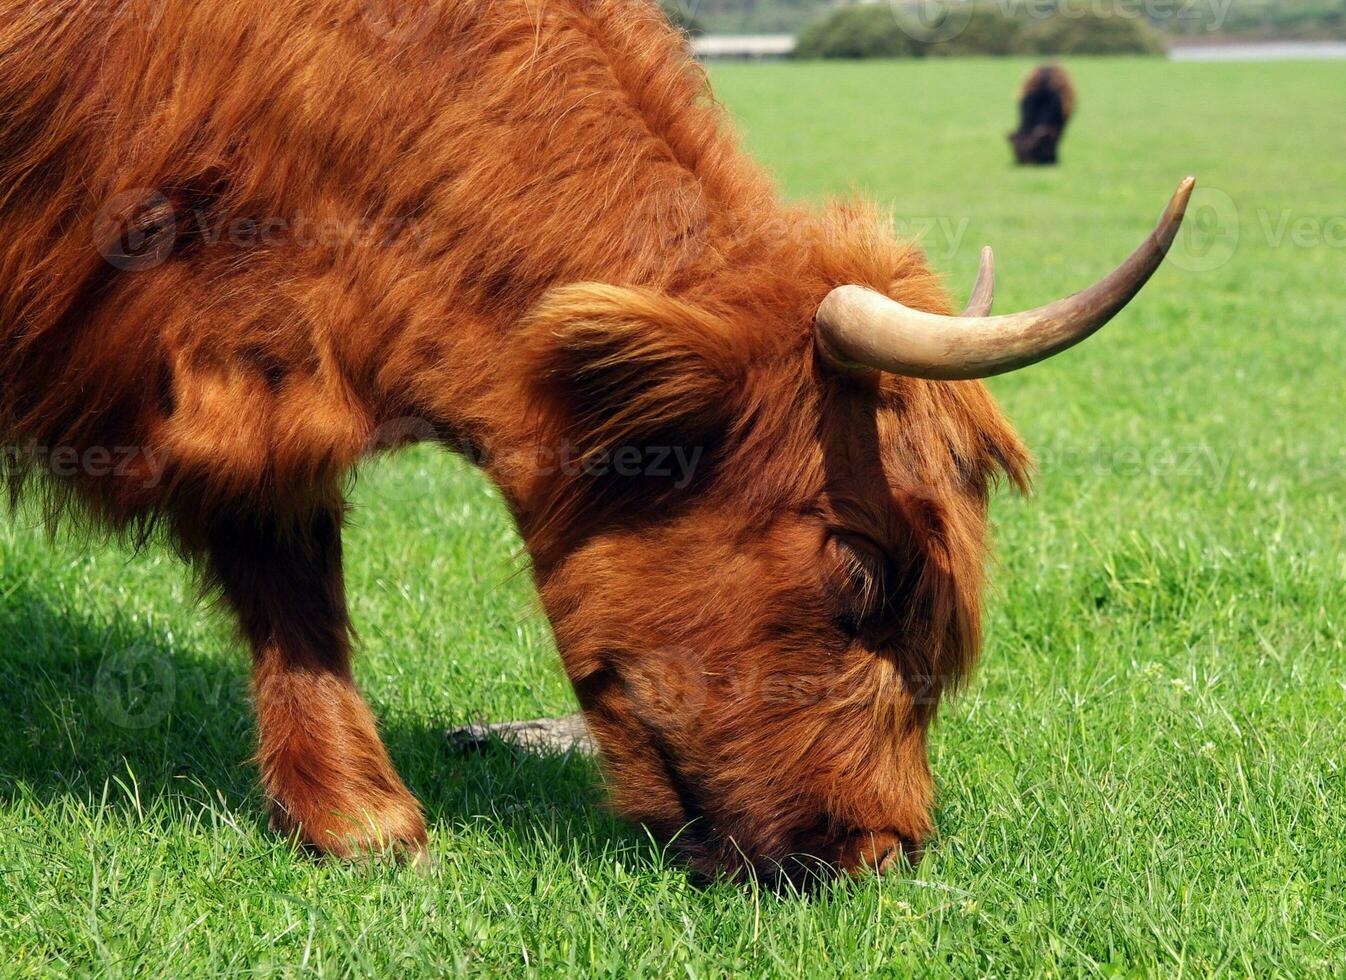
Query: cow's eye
{"type": "Point", "coordinates": [858, 569]}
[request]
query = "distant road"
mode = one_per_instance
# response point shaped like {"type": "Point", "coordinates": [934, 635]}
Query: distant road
{"type": "Point", "coordinates": [1269, 51]}
{"type": "Point", "coordinates": [754, 46]}
{"type": "Point", "coordinates": [743, 45]}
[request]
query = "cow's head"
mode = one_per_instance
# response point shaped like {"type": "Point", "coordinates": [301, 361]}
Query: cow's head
{"type": "Point", "coordinates": [1037, 145]}
{"type": "Point", "coordinates": [762, 546]}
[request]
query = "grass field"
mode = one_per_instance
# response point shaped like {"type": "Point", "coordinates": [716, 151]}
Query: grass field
{"type": "Point", "coordinates": [1146, 775]}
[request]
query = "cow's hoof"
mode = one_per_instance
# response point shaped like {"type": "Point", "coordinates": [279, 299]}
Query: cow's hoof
{"type": "Point", "coordinates": [391, 830]}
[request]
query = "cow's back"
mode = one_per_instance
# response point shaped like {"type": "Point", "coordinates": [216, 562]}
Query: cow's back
{"type": "Point", "coordinates": [247, 236]}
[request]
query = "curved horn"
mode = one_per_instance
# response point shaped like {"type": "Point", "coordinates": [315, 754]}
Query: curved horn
{"type": "Point", "coordinates": [983, 291]}
{"type": "Point", "coordinates": [859, 328]}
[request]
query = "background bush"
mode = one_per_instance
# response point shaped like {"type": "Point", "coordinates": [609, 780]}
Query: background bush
{"type": "Point", "coordinates": [1304, 20]}
{"type": "Point", "coordinates": [989, 31]}
{"type": "Point", "coordinates": [856, 32]}
{"type": "Point", "coordinates": [1203, 21]}
{"type": "Point", "coordinates": [1087, 32]}
{"type": "Point", "coordinates": [874, 31]}
{"type": "Point", "coordinates": [681, 17]}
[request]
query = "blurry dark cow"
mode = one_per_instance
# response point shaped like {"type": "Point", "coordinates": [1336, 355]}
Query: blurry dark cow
{"type": "Point", "coordinates": [1045, 105]}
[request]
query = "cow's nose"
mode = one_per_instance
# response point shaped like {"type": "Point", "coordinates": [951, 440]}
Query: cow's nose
{"type": "Point", "coordinates": [871, 851]}
{"type": "Point", "coordinates": [890, 861]}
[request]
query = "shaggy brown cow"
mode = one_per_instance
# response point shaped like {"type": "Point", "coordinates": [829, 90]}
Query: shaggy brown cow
{"type": "Point", "coordinates": [1046, 103]}
{"type": "Point", "coordinates": [257, 240]}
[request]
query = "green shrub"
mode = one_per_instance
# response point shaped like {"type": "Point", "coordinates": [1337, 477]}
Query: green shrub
{"type": "Point", "coordinates": [990, 29]}
{"type": "Point", "coordinates": [1243, 19]}
{"type": "Point", "coordinates": [997, 28]}
{"type": "Point", "coordinates": [856, 32]}
{"type": "Point", "coordinates": [1079, 31]}
{"type": "Point", "coordinates": [1263, 19]}
{"type": "Point", "coordinates": [680, 17]}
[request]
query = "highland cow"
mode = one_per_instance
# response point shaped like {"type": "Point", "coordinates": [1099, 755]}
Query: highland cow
{"type": "Point", "coordinates": [1046, 103]}
{"type": "Point", "coordinates": [259, 240]}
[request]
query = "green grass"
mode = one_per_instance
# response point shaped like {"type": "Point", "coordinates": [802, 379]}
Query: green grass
{"type": "Point", "coordinates": [1146, 775]}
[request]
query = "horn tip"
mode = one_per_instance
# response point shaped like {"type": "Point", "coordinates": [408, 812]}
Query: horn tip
{"type": "Point", "coordinates": [986, 268]}
{"type": "Point", "coordinates": [1182, 195]}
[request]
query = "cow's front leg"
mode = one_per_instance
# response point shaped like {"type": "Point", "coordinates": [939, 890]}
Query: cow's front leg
{"type": "Point", "coordinates": [328, 776]}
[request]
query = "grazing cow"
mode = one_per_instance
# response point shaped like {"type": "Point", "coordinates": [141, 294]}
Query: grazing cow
{"type": "Point", "coordinates": [1045, 105]}
{"type": "Point", "coordinates": [248, 243]}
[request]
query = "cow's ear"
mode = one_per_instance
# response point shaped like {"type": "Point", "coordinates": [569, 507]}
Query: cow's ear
{"type": "Point", "coordinates": [607, 367]}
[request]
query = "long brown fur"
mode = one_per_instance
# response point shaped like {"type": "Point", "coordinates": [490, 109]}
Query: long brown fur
{"type": "Point", "coordinates": [250, 242]}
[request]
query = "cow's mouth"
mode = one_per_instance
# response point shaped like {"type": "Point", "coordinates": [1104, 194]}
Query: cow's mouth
{"type": "Point", "coordinates": [678, 813]}
{"type": "Point", "coordinates": [634, 747]}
